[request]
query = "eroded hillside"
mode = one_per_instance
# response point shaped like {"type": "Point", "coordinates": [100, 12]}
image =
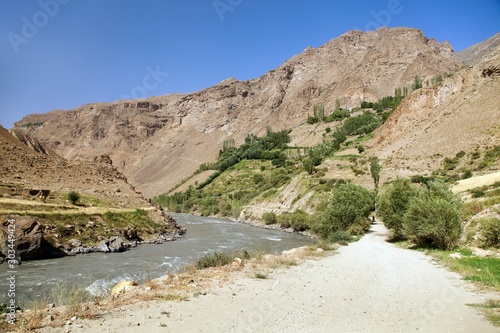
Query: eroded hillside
{"type": "Point", "coordinates": [159, 141]}
{"type": "Point", "coordinates": [460, 114]}
{"type": "Point", "coordinates": [35, 187]}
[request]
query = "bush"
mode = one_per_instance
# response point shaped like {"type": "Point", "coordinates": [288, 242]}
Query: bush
{"type": "Point", "coordinates": [477, 193]}
{"type": "Point", "coordinates": [258, 178]}
{"type": "Point", "coordinates": [341, 237]}
{"type": "Point", "coordinates": [362, 124]}
{"type": "Point", "coordinates": [298, 220]}
{"type": "Point", "coordinates": [73, 197]}
{"type": "Point", "coordinates": [217, 259]}
{"type": "Point", "coordinates": [349, 205]}
{"type": "Point", "coordinates": [269, 217]}
{"type": "Point", "coordinates": [433, 217]}
{"type": "Point", "coordinates": [467, 174]}
{"type": "Point", "coordinates": [489, 231]}
{"type": "Point", "coordinates": [393, 203]}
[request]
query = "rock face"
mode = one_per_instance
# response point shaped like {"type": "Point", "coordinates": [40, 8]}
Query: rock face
{"type": "Point", "coordinates": [29, 241]}
{"type": "Point", "coordinates": [460, 114]}
{"type": "Point", "coordinates": [159, 141]}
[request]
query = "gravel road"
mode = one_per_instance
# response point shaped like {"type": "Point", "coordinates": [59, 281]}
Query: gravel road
{"type": "Point", "coordinates": [368, 286]}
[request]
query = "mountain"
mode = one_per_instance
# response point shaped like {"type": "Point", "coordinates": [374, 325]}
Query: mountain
{"type": "Point", "coordinates": [475, 53]}
{"type": "Point", "coordinates": [27, 164]}
{"type": "Point", "coordinates": [159, 141]}
{"type": "Point", "coordinates": [34, 188]}
{"type": "Point", "coordinates": [459, 115]}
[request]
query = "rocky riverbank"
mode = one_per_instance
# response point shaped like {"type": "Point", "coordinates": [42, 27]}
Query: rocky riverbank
{"type": "Point", "coordinates": [25, 238]}
{"type": "Point", "coordinates": [353, 290]}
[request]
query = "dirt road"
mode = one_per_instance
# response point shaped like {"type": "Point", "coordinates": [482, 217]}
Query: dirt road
{"type": "Point", "coordinates": [368, 286]}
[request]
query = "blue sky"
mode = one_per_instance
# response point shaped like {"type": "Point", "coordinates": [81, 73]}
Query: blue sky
{"type": "Point", "coordinates": [60, 54]}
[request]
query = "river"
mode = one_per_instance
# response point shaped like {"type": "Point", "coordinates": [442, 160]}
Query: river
{"type": "Point", "coordinates": [99, 272]}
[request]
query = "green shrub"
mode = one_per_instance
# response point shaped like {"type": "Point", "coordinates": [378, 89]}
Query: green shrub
{"type": "Point", "coordinates": [467, 174]}
{"type": "Point", "coordinates": [362, 124]}
{"type": "Point", "coordinates": [312, 120]}
{"type": "Point", "coordinates": [298, 220]}
{"type": "Point", "coordinates": [393, 203]}
{"type": "Point", "coordinates": [477, 193]}
{"type": "Point", "coordinates": [433, 217]}
{"type": "Point", "coordinates": [258, 178]}
{"type": "Point", "coordinates": [73, 197]}
{"type": "Point", "coordinates": [269, 217]}
{"type": "Point", "coordinates": [341, 237]}
{"type": "Point", "coordinates": [217, 259]}
{"type": "Point", "coordinates": [349, 205]}
{"type": "Point", "coordinates": [490, 232]}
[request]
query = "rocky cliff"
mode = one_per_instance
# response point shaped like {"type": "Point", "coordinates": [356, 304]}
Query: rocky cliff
{"type": "Point", "coordinates": [158, 141]}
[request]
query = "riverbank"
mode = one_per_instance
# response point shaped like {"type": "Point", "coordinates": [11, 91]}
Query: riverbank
{"type": "Point", "coordinates": [368, 286]}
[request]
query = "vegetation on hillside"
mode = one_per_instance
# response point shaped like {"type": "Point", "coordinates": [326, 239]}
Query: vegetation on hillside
{"type": "Point", "coordinates": [428, 215]}
{"type": "Point", "coordinates": [261, 165]}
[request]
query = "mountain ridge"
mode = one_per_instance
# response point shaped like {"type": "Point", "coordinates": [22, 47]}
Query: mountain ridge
{"type": "Point", "coordinates": [159, 141]}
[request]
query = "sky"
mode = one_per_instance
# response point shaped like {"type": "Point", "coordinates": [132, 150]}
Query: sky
{"type": "Point", "coordinates": [61, 54]}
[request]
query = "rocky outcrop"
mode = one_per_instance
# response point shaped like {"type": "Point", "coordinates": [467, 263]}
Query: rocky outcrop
{"type": "Point", "coordinates": [113, 244]}
{"type": "Point", "coordinates": [159, 141]}
{"type": "Point", "coordinates": [29, 141]}
{"type": "Point", "coordinates": [28, 240]}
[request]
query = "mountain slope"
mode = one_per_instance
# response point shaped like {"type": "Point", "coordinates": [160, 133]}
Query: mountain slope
{"type": "Point", "coordinates": [476, 53]}
{"type": "Point", "coordinates": [34, 187]}
{"type": "Point", "coordinates": [460, 114]}
{"type": "Point", "coordinates": [161, 140]}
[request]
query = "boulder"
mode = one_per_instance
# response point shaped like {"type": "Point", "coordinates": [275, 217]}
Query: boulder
{"type": "Point", "coordinates": [116, 244]}
{"type": "Point", "coordinates": [122, 288]}
{"type": "Point", "coordinates": [102, 247]}
{"type": "Point", "coordinates": [29, 241]}
{"type": "Point", "coordinates": [113, 244]}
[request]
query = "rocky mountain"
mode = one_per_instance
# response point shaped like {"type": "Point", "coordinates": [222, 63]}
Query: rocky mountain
{"type": "Point", "coordinates": [34, 183]}
{"type": "Point", "coordinates": [159, 141]}
{"type": "Point", "coordinates": [27, 164]}
{"type": "Point", "coordinates": [476, 53]}
{"type": "Point", "coordinates": [460, 114]}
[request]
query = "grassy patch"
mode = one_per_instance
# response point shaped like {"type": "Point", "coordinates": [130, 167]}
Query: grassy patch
{"type": "Point", "coordinates": [68, 226]}
{"type": "Point", "coordinates": [483, 271]}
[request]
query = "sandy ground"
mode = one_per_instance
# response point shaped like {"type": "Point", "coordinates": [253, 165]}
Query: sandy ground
{"type": "Point", "coordinates": [368, 286]}
{"type": "Point", "coordinates": [478, 181]}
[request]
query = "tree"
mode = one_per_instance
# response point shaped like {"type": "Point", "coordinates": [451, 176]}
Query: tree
{"type": "Point", "coordinates": [349, 205]}
{"type": "Point", "coordinates": [418, 83]}
{"type": "Point", "coordinates": [319, 112]}
{"type": "Point", "coordinates": [375, 171]}
{"type": "Point", "coordinates": [73, 197]}
{"type": "Point", "coordinates": [434, 217]}
{"type": "Point", "coordinates": [308, 166]}
{"type": "Point", "coordinates": [393, 203]}
{"type": "Point", "coordinates": [337, 104]}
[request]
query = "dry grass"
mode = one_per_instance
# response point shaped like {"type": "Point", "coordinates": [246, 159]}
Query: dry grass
{"type": "Point", "coordinates": [491, 310]}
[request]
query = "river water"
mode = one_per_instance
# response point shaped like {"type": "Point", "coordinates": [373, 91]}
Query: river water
{"type": "Point", "coordinates": [99, 272]}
